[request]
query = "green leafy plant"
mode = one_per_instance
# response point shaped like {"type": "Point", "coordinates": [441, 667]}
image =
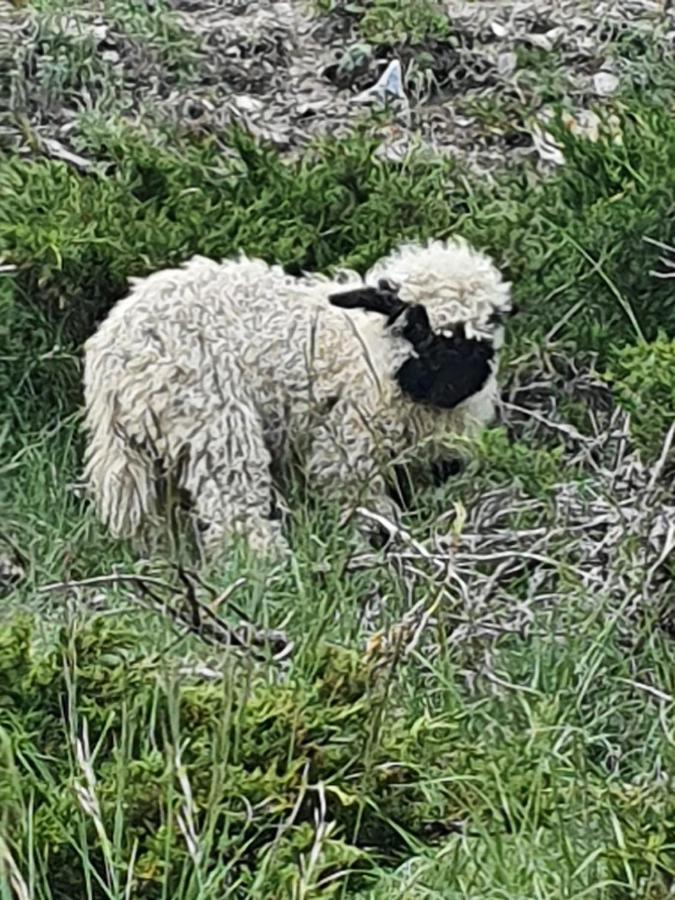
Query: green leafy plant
{"type": "Point", "coordinates": [573, 241]}
{"type": "Point", "coordinates": [403, 21]}
{"type": "Point", "coordinates": [393, 21]}
{"type": "Point", "coordinates": [643, 380]}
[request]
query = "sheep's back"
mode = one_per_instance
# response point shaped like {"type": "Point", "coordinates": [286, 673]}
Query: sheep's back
{"type": "Point", "coordinates": [185, 338]}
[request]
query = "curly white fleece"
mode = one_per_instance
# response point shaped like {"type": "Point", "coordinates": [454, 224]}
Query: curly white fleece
{"type": "Point", "coordinates": [229, 367]}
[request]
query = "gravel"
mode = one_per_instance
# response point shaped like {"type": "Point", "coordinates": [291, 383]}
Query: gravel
{"type": "Point", "coordinates": [291, 73]}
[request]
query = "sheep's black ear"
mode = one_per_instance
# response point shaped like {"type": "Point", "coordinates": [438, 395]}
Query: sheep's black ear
{"type": "Point", "coordinates": [371, 299]}
{"type": "Point", "coordinates": [499, 316]}
{"type": "Point", "coordinates": [357, 298]}
{"type": "Point", "coordinates": [417, 328]}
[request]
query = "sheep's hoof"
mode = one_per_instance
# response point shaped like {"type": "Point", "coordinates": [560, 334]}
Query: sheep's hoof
{"type": "Point", "coordinates": [378, 537]}
{"type": "Point", "coordinates": [445, 469]}
{"type": "Point", "coordinates": [270, 545]}
{"type": "Point", "coordinates": [264, 542]}
{"type": "Point", "coordinates": [380, 534]}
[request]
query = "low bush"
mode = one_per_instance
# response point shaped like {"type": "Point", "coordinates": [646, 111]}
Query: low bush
{"type": "Point", "coordinates": [402, 21]}
{"type": "Point", "coordinates": [117, 771]}
{"type": "Point", "coordinates": [135, 767]}
{"type": "Point", "coordinates": [643, 380]}
{"type": "Point", "coordinates": [390, 22]}
{"type": "Point", "coordinates": [572, 242]}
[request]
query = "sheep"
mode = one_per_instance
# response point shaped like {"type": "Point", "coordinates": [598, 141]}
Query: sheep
{"type": "Point", "coordinates": [209, 376]}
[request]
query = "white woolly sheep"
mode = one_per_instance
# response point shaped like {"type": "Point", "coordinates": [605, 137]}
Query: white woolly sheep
{"type": "Point", "coordinates": [209, 375]}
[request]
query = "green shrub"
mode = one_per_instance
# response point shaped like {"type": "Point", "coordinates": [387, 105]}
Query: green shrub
{"type": "Point", "coordinates": [160, 204]}
{"type": "Point", "coordinates": [403, 21]}
{"type": "Point", "coordinates": [574, 238]}
{"type": "Point", "coordinates": [643, 380]}
{"type": "Point", "coordinates": [76, 238]}
{"type": "Point", "coordinates": [577, 238]}
{"type": "Point", "coordinates": [502, 460]}
{"type": "Point", "coordinates": [254, 752]}
{"type": "Point", "coordinates": [219, 783]}
{"type": "Point", "coordinates": [393, 21]}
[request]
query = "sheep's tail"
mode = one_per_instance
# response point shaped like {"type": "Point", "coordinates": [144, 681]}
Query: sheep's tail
{"type": "Point", "coordinates": [119, 475]}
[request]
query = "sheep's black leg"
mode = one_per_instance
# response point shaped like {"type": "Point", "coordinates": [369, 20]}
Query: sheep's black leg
{"type": "Point", "coordinates": [444, 469]}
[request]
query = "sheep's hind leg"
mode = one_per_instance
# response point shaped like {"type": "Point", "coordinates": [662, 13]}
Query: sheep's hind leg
{"type": "Point", "coordinates": [230, 483]}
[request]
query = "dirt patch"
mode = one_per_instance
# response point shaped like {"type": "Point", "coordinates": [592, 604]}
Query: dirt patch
{"type": "Point", "coordinates": [291, 74]}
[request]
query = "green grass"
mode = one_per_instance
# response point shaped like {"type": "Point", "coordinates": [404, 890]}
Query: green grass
{"type": "Point", "coordinates": [523, 748]}
{"type": "Point", "coordinates": [79, 58]}
{"type": "Point", "coordinates": [121, 774]}
{"type": "Point", "coordinates": [139, 762]}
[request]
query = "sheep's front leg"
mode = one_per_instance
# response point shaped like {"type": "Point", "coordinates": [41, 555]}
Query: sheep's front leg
{"type": "Point", "coordinates": [349, 453]}
{"type": "Point", "coordinates": [230, 483]}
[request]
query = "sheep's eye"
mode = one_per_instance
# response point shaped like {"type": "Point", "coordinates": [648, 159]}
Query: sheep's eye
{"type": "Point", "coordinates": [391, 287]}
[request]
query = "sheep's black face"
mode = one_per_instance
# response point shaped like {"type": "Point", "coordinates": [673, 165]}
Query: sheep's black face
{"type": "Point", "coordinates": [447, 370]}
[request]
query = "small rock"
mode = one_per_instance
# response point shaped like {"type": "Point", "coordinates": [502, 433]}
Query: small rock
{"type": "Point", "coordinates": [99, 32]}
{"type": "Point", "coordinates": [585, 124]}
{"type": "Point", "coordinates": [605, 83]}
{"type": "Point", "coordinates": [248, 104]}
{"type": "Point", "coordinates": [388, 86]}
{"type": "Point", "coordinates": [555, 35]}
{"type": "Point", "coordinates": [506, 64]}
{"type": "Point", "coordinates": [539, 40]}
